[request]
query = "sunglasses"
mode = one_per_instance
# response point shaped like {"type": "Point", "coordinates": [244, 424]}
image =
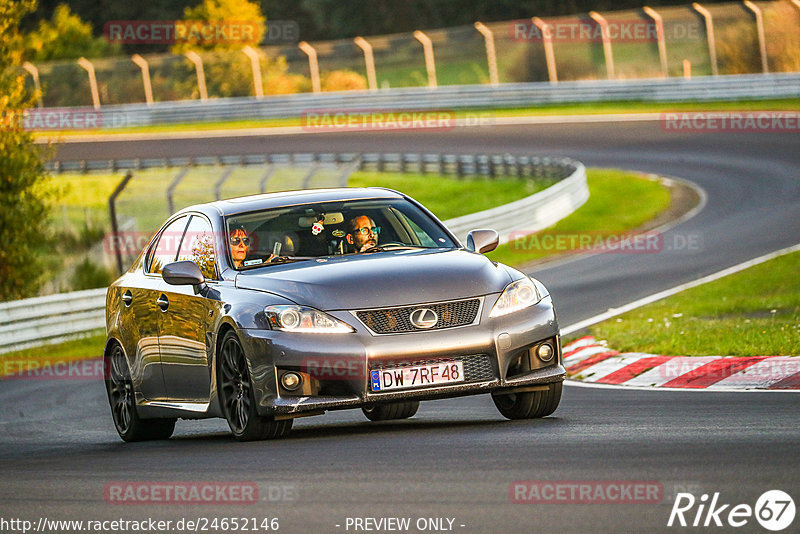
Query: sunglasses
{"type": "Point", "coordinates": [375, 230]}
{"type": "Point", "coordinates": [243, 240]}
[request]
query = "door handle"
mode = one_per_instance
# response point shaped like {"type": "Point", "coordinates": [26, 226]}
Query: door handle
{"type": "Point", "coordinates": [127, 298]}
{"type": "Point", "coordinates": [163, 302]}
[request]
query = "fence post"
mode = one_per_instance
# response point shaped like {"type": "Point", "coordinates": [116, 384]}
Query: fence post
{"type": "Point", "coordinates": [369, 61]}
{"type": "Point", "coordinates": [762, 41]}
{"type": "Point", "coordinates": [662, 44]}
{"type": "Point", "coordinates": [547, 41]}
{"type": "Point", "coordinates": [87, 65]}
{"type": "Point", "coordinates": [171, 189]}
{"type": "Point", "coordinates": [491, 55]}
{"type": "Point", "coordinates": [112, 212]}
{"type": "Point", "coordinates": [255, 64]}
{"type": "Point", "coordinates": [148, 88]}
{"type": "Point", "coordinates": [712, 46]}
{"type": "Point", "coordinates": [195, 58]}
{"type": "Point", "coordinates": [313, 65]}
{"type": "Point", "coordinates": [430, 64]}
{"type": "Point", "coordinates": [34, 72]}
{"type": "Point", "coordinates": [606, 34]}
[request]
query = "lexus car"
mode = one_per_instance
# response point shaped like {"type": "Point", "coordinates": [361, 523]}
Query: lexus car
{"type": "Point", "coordinates": [266, 308]}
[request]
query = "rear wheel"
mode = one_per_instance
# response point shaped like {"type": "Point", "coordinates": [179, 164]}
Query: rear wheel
{"type": "Point", "coordinates": [123, 403]}
{"type": "Point", "coordinates": [237, 399]}
{"type": "Point", "coordinates": [395, 410]}
{"type": "Point", "coordinates": [529, 405]}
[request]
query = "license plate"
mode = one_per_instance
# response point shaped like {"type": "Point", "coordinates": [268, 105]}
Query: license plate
{"type": "Point", "coordinates": [417, 376]}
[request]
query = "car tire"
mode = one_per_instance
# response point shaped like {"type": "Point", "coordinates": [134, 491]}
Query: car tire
{"type": "Point", "coordinates": [395, 410]}
{"type": "Point", "coordinates": [529, 405]}
{"type": "Point", "coordinates": [236, 396]}
{"type": "Point", "coordinates": [121, 398]}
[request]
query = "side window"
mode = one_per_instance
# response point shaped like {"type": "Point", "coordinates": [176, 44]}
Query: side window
{"type": "Point", "coordinates": [166, 249]}
{"type": "Point", "coordinates": [198, 246]}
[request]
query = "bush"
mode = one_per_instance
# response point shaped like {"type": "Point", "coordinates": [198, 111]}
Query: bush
{"type": "Point", "coordinates": [88, 275]}
{"type": "Point", "coordinates": [343, 80]}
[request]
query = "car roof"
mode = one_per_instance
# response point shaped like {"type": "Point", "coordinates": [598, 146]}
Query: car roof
{"type": "Point", "coordinates": [233, 206]}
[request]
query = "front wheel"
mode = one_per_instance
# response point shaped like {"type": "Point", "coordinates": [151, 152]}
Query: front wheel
{"type": "Point", "coordinates": [119, 387]}
{"type": "Point", "coordinates": [388, 412]}
{"type": "Point", "coordinates": [237, 399]}
{"type": "Point", "coordinates": [529, 405]}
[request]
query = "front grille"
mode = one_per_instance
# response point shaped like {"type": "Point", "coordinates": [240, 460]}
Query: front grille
{"type": "Point", "coordinates": [398, 320]}
{"type": "Point", "coordinates": [477, 367]}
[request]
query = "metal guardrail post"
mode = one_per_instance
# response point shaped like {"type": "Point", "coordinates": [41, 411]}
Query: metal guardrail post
{"type": "Point", "coordinates": [171, 189]}
{"type": "Point", "coordinates": [112, 212]}
{"type": "Point", "coordinates": [430, 64]}
{"type": "Point", "coordinates": [255, 65]}
{"type": "Point", "coordinates": [606, 35]}
{"type": "Point", "coordinates": [87, 65]}
{"type": "Point", "coordinates": [195, 58]}
{"type": "Point", "coordinates": [34, 72]}
{"type": "Point", "coordinates": [712, 45]}
{"type": "Point", "coordinates": [369, 62]}
{"type": "Point", "coordinates": [313, 64]}
{"type": "Point", "coordinates": [762, 41]}
{"type": "Point", "coordinates": [262, 183]}
{"type": "Point", "coordinates": [491, 55]}
{"type": "Point", "coordinates": [547, 42]}
{"type": "Point", "coordinates": [148, 87]}
{"type": "Point", "coordinates": [662, 43]}
{"type": "Point", "coordinates": [222, 179]}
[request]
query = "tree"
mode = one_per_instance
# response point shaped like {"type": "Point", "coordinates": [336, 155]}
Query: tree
{"type": "Point", "coordinates": [66, 36]}
{"type": "Point", "coordinates": [24, 197]}
{"type": "Point", "coordinates": [236, 15]}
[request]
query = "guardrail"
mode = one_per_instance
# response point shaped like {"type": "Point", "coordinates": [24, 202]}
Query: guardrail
{"type": "Point", "coordinates": [50, 319]}
{"type": "Point", "coordinates": [456, 97]}
{"type": "Point", "coordinates": [42, 320]}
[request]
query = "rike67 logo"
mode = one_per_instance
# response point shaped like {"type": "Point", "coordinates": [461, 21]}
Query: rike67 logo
{"type": "Point", "coordinates": [774, 510]}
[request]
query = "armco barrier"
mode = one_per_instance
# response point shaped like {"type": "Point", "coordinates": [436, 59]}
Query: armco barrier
{"type": "Point", "coordinates": [42, 320]}
{"type": "Point", "coordinates": [454, 97]}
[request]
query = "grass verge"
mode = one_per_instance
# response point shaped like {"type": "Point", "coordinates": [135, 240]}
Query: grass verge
{"type": "Point", "coordinates": [619, 202]}
{"type": "Point", "coordinates": [54, 355]}
{"type": "Point", "coordinates": [755, 312]}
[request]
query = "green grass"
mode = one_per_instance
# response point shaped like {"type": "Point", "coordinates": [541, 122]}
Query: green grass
{"type": "Point", "coordinates": [589, 108]}
{"type": "Point", "coordinates": [448, 197]}
{"type": "Point", "coordinates": [618, 202]}
{"type": "Point", "coordinates": [72, 350]}
{"type": "Point", "coordinates": [752, 313]}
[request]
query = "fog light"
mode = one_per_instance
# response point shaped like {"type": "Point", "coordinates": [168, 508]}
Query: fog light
{"type": "Point", "coordinates": [291, 381]}
{"type": "Point", "coordinates": [545, 352]}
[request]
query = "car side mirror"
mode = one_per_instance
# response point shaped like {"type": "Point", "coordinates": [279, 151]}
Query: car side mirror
{"type": "Point", "coordinates": [182, 273]}
{"type": "Point", "coordinates": [482, 241]}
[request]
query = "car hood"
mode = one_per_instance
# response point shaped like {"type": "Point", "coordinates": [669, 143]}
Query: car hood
{"type": "Point", "coordinates": [392, 278]}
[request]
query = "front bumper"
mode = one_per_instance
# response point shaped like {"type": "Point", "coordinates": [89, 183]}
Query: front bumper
{"type": "Point", "coordinates": [342, 362]}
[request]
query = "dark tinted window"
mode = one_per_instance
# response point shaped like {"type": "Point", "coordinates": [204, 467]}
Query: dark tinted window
{"type": "Point", "coordinates": [166, 249]}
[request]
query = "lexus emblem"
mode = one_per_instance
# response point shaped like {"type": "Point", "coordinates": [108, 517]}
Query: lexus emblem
{"type": "Point", "coordinates": [424, 318]}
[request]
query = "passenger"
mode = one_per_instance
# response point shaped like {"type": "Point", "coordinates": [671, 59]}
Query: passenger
{"type": "Point", "coordinates": [363, 234]}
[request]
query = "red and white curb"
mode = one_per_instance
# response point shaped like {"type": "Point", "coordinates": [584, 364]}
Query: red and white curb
{"type": "Point", "coordinates": [590, 361]}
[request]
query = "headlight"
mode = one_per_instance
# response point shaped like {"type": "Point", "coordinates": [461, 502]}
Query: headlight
{"type": "Point", "coordinates": [517, 295]}
{"type": "Point", "coordinates": [303, 319]}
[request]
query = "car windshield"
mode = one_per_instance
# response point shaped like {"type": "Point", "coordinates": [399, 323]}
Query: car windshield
{"type": "Point", "coordinates": [330, 229]}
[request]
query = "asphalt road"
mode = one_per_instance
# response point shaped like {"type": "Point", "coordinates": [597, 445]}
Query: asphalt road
{"type": "Point", "coordinates": [458, 458]}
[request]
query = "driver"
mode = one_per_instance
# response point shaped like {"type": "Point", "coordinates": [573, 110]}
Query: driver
{"type": "Point", "coordinates": [363, 234]}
